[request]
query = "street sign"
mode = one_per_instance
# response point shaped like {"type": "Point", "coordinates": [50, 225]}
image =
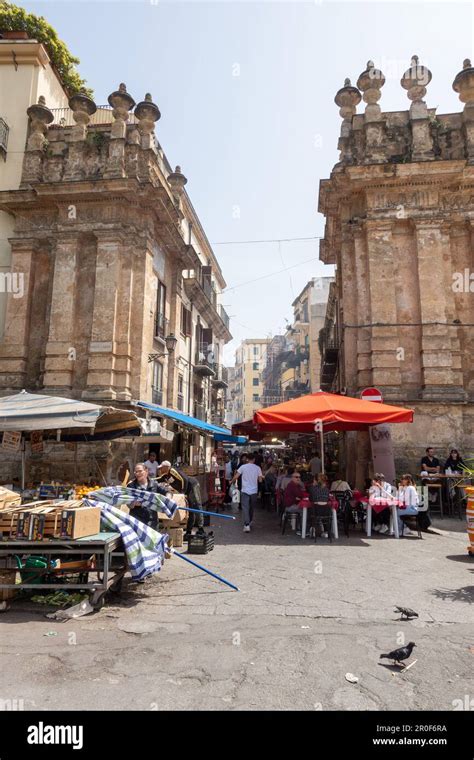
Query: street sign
{"type": "Point", "coordinates": [318, 426]}
{"type": "Point", "coordinates": [372, 394]}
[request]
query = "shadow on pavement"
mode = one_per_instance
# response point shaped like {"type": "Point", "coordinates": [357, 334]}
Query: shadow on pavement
{"type": "Point", "coordinates": [464, 594]}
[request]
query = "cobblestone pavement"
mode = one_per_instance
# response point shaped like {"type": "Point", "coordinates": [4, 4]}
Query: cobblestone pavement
{"type": "Point", "coordinates": [306, 615]}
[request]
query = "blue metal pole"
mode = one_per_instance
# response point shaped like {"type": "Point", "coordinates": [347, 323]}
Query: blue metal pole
{"type": "Point", "coordinates": [203, 512]}
{"type": "Point", "coordinates": [218, 577]}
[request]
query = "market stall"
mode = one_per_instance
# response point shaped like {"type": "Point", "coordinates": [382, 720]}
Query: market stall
{"type": "Point", "coordinates": [37, 418]}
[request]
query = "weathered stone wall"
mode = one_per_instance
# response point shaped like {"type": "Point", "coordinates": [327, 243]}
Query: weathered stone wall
{"type": "Point", "coordinates": [399, 209]}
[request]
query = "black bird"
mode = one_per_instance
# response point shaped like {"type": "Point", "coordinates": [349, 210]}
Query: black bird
{"type": "Point", "coordinates": [406, 612]}
{"type": "Point", "coordinates": [399, 654]}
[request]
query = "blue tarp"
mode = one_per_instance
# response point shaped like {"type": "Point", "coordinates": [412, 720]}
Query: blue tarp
{"type": "Point", "coordinates": [219, 434]}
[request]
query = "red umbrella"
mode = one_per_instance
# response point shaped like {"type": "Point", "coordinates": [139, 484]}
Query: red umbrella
{"type": "Point", "coordinates": [336, 412]}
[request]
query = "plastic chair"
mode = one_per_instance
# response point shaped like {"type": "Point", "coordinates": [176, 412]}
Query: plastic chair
{"type": "Point", "coordinates": [344, 512]}
{"type": "Point", "coordinates": [294, 517]}
{"type": "Point", "coordinates": [322, 513]}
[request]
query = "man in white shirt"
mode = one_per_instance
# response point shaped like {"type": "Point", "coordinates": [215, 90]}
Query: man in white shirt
{"type": "Point", "coordinates": [251, 477]}
{"type": "Point", "coordinates": [151, 464]}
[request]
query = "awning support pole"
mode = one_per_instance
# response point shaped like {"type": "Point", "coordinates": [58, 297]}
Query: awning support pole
{"type": "Point", "coordinates": [214, 575]}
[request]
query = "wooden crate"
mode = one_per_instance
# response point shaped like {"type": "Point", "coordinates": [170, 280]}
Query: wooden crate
{"type": "Point", "coordinates": [52, 514]}
{"type": "Point", "coordinates": [7, 576]}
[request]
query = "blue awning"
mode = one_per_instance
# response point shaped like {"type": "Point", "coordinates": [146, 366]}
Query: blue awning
{"type": "Point", "coordinates": [218, 433]}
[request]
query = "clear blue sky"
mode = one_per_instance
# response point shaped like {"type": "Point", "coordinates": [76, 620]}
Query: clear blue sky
{"type": "Point", "coordinates": [255, 145]}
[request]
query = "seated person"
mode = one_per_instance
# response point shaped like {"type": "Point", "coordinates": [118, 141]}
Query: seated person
{"type": "Point", "coordinates": [319, 489]}
{"type": "Point", "coordinates": [319, 494]}
{"type": "Point", "coordinates": [454, 462]}
{"type": "Point", "coordinates": [408, 500]}
{"type": "Point", "coordinates": [339, 484]}
{"type": "Point", "coordinates": [381, 498]}
{"type": "Point", "coordinates": [293, 493]}
{"type": "Point", "coordinates": [430, 464]}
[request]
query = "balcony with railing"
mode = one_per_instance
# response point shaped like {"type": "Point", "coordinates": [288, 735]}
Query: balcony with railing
{"type": "Point", "coordinates": [202, 292]}
{"type": "Point", "coordinates": [204, 364]}
{"type": "Point", "coordinates": [329, 349]}
{"type": "Point", "coordinates": [221, 377]}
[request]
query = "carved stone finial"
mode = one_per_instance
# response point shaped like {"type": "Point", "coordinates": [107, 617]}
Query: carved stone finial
{"type": "Point", "coordinates": [121, 103]}
{"type": "Point", "coordinates": [370, 83]}
{"type": "Point", "coordinates": [415, 80]}
{"type": "Point", "coordinates": [82, 108]}
{"type": "Point", "coordinates": [40, 117]}
{"type": "Point", "coordinates": [347, 98]}
{"type": "Point", "coordinates": [177, 181]}
{"type": "Point", "coordinates": [464, 83]}
{"type": "Point", "coordinates": [147, 114]}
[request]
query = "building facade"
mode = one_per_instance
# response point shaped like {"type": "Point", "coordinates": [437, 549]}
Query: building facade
{"type": "Point", "coordinates": [399, 210]}
{"type": "Point", "coordinates": [250, 361]}
{"type": "Point", "coordinates": [121, 289]}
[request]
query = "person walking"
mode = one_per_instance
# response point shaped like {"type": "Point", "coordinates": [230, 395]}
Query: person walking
{"type": "Point", "coordinates": [251, 475]}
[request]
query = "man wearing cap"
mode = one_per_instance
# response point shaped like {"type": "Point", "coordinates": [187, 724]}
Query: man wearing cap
{"type": "Point", "coordinates": [182, 483]}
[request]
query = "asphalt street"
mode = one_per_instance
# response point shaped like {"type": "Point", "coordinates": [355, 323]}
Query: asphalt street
{"type": "Point", "coordinates": [307, 615]}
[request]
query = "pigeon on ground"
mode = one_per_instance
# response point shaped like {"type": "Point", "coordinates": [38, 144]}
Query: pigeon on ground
{"type": "Point", "coordinates": [406, 612]}
{"type": "Point", "coordinates": [399, 654]}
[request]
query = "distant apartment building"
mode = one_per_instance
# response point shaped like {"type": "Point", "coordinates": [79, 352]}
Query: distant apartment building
{"type": "Point", "coordinates": [250, 361]}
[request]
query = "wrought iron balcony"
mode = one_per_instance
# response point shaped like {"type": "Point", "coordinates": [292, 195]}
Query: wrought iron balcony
{"type": "Point", "coordinates": [204, 363]}
{"type": "Point", "coordinates": [221, 378]}
{"type": "Point", "coordinates": [329, 362]}
{"type": "Point", "coordinates": [204, 296]}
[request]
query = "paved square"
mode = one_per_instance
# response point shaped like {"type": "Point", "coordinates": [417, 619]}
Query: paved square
{"type": "Point", "coordinates": [306, 615]}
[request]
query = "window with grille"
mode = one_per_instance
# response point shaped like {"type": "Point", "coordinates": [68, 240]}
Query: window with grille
{"type": "Point", "coordinates": [3, 137]}
{"type": "Point", "coordinates": [160, 321]}
{"type": "Point", "coordinates": [186, 321]}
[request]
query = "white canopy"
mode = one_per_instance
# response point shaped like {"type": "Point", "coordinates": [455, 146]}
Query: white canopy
{"type": "Point", "coordinates": [30, 411]}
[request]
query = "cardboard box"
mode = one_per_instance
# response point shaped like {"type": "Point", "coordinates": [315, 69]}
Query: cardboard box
{"type": "Point", "coordinates": [9, 498]}
{"type": "Point", "coordinates": [80, 522]}
{"type": "Point", "coordinates": [23, 525]}
{"type": "Point", "coordinates": [180, 517]}
{"type": "Point", "coordinates": [175, 536]}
